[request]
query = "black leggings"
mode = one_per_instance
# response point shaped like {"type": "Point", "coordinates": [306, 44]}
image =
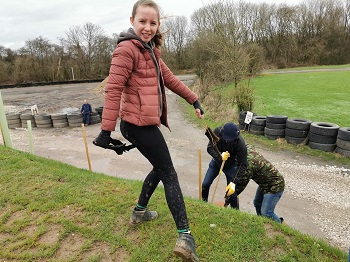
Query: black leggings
{"type": "Point", "coordinates": [150, 142]}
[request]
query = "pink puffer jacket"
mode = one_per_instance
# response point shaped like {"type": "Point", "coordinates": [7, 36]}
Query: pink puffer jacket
{"type": "Point", "coordinates": [132, 88]}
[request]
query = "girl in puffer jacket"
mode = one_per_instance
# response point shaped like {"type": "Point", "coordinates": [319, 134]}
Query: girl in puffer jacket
{"type": "Point", "coordinates": [135, 92]}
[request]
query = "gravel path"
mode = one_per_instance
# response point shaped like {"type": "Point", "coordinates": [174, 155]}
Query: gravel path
{"type": "Point", "coordinates": [316, 199]}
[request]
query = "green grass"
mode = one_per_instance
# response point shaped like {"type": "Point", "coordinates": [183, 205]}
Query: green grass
{"type": "Point", "coordinates": [318, 96]}
{"type": "Point", "coordinates": [50, 211]}
{"type": "Point", "coordinates": [314, 67]}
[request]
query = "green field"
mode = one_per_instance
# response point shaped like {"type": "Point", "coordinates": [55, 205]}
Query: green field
{"type": "Point", "coordinates": [317, 96]}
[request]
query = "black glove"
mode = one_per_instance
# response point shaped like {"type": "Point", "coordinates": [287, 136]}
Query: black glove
{"type": "Point", "coordinates": [197, 105]}
{"type": "Point", "coordinates": [104, 140]}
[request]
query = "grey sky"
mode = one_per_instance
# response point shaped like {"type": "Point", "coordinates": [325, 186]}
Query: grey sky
{"type": "Point", "coordinates": [22, 20]}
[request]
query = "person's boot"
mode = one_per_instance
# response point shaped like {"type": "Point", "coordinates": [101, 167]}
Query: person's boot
{"type": "Point", "coordinates": [137, 217]}
{"type": "Point", "coordinates": [186, 248]}
{"type": "Point", "coordinates": [282, 221]}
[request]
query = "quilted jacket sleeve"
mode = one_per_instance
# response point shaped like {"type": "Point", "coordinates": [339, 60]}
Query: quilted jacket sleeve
{"type": "Point", "coordinates": [175, 85]}
{"type": "Point", "coordinates": [119, 73]}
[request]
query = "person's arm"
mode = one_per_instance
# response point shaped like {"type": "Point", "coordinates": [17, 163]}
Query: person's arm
{"type": "Point", "coordinates": [119, 73]}
{"type": "Point", "coordinates": [242, 160]}
{"type": "Point", "coordinates": [176, 85]}
{"type": "Point", "coordinates": [213, 150]}
{"type": "Point", "coordinates": [242, 182]}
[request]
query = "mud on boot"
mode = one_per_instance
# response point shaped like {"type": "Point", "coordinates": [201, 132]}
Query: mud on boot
{"type": "Point", "coordinates": [186, 248]}
{"type": "Point", "coordinates": [137, 217]}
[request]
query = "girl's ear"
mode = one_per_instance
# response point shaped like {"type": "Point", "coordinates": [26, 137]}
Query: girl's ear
{"type": "Point", "coordinates": [131, 20]}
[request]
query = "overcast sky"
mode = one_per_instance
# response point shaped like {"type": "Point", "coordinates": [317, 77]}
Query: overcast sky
{"type": "Point", "coordinates": [22, 20]}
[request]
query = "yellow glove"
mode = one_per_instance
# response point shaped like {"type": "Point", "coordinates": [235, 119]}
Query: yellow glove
{"type": "Point", "coordinates": [230, 189]}
{"type": "Point", "coordinates": [225, 155]}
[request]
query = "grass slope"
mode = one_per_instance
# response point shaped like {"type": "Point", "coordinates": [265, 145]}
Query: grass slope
{"type": "Point", "coordinates": [51, 211]}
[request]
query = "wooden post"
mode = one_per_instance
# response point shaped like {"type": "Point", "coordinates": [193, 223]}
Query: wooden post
{"type": "Point", "coordinates": [200, 173]}
{"type": "Point", "coordinates": [217, 181]}
{"type": "Point", "coordinates": [86, 147]}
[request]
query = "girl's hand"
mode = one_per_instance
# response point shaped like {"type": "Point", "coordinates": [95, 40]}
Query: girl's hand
{"type": "Point", "coordinates": [198, 113]}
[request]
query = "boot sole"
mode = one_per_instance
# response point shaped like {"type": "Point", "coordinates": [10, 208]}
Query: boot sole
{"type": "Point", "coordinates": [185, 255]}
{"type": "Point", "coordinates": [132, 224]}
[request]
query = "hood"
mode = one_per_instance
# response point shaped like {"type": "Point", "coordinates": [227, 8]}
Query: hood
{"type": "Point", "coordinates": [130, 34]}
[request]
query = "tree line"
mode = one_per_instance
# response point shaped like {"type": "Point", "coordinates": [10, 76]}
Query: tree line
{"type": "Point", "coordinates": [225, 41]}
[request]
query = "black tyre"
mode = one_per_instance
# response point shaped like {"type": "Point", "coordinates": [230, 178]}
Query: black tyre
{"type": "Point", "coordinates": [342, 152]}
{"type": "Point", "coordinates": [14, 126]}
{"type": "Point", "coordinates": [74, 116]}
{"type": "Point", "coordinates": [58, 116]}
{"type": "Point", "coordinates": [57, 121]}
{"type": "Point", "coordinates": [60, 125]}
{"type": "Point", "coordinates": [298, 123]}
{"type": "Point", "coordinates": [13, 121]}
{"type": "Point", "coordinates": [275, 126]}
{"type": "Point", "coordinates": [295, 140]}
{"type": "Point", "coordinates": [42, 117]}
{"type": "Point", "coordinates": [343, 144]}
{"type": "Point", "coordinates": [323, 147]}
{"type": "Point", "coordinates": [259, 121]}
{"type": "Point", "coordinates": [296, 133]}
{"type": "Point", "coordinates": [24, 124]}
{"type": "Point", "coordinates": [44, 125]}
{"type": "Point", "coordinates": [322, 139]}
{"type": "Point", "coordinates": [274, 132]}
{"type": "Point", "coordinates": [324, 128]}
{"type": "Point", "coordinates": [12, 116]}
{"type": "Point", "coordinates": [256, 128]}
{"type": "Point", "coordinates": [75, 121]}
{"type": "Point", "coordinates": [43, 122]}
{"type": "Point", "coordinates": [276, 119]}
{"type": "Point", "coordinates": [26, 116]}
{"type": "Point", "coordinates": [344, 133]}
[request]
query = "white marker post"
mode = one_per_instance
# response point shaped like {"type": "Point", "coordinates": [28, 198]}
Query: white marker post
{"type": "Point", "coordinates": [248, 118]}
{"type": "Point", "coordinates": [3, 125]}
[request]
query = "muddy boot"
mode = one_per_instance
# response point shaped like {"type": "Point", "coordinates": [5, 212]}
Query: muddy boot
{"type": "Point", "coordinates": [186, 248]}
{"type": "Point", "coordinates": [137, 217]}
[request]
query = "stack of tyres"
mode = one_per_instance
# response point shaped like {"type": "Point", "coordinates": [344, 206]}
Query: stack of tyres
{"type": "Point", "coordinates": [257, 126]}
{"type": "Point", "coordinates": [13, 120]}
{"type": "Point", "coordinates": [323, 136]}
{"type": "Point", "coordinates": [43, 121]}
{"type": "Point", "coordinates": [95, 118]}
{"type": "Point", "coordinates": [99, 110]}
{"type": "Point", "coordinates": [297, 130]}
{"type": "Point", "coordinates": [275, 126]}
{"type": "Point", "coordinates": [25, 117]}
{"type": "Point", "coordinates": [59, 120]}
{"type": "Point", "coordinates": [343, 141]}
{"type": "Point", "coordinates": [75, 119]}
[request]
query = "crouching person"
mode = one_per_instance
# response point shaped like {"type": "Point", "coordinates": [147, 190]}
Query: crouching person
{"type": "Point", "coordinates": [270, 184]}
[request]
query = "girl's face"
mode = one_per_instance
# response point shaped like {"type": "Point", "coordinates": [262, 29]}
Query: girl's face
{"type": "Point", "coordinates": [145, 23]}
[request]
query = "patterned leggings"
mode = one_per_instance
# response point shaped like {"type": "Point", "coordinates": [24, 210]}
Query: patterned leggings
{"type": "Point", "coordinates": [150, 142]}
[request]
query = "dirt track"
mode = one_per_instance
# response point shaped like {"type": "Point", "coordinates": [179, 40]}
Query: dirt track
{"type": "Point", "coordinates": [316, 200]}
